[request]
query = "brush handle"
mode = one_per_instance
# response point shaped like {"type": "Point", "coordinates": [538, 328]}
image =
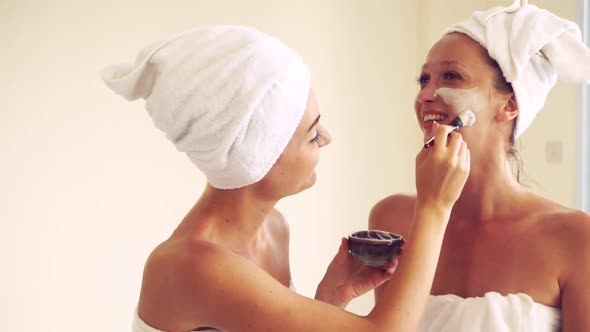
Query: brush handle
{"type": "Point", "coordinates": [430, 142]}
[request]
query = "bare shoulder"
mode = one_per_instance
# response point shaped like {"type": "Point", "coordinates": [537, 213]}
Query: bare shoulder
{"type": "Point", "coordinates": [569, 225]}
{"type": "Point", "coordinates": [199, 285]}
{"type": "Point", "coordinates": [393, 213]}
{"type": "Point", "coordinates": [566, 231]}
{"type": "Point", "coordinates": [571, 229]}
{"type": "Point", "coordinates": [182, 253]}
{"type": "Point", "coordinates": [178, 277]}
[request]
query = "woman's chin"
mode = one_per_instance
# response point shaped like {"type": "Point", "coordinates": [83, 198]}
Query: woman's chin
{"type": "Point", "coordinates": [310, 181]}
{"type": "Point", "coordinates": [306, 185]}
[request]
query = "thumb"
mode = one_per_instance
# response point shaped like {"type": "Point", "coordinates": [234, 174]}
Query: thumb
{"type": "Point", "coordinates": [344, 245]}
{"type": "Point", "coordinates": [342, 254]}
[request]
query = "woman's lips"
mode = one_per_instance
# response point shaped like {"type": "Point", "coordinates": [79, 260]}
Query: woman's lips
{"type": "Point", "coordinates": [429, 117]}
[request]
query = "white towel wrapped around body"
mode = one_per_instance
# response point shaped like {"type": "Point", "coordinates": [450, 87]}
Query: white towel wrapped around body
{"type": "Point", "coordinates": [492, 312]}
{"type": "Point", "coordinates": [230, 97]}
{"type": "Point", "coordinates": [533, 47]}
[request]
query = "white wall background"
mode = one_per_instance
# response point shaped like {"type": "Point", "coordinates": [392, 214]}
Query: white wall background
{"type": "Point", "coordinates": [584, 119]}
{"type": "Point", "coordinates": [88, 186]}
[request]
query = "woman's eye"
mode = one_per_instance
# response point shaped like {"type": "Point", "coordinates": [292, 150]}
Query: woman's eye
{"type": "Point", "coordinates": [452, 75]}
{"type": "Point", "coordinates": [423, 80]}
{"type": "Point", "coordinates": [316, 137]}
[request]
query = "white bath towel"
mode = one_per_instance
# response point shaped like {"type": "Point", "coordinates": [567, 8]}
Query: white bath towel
{"type": "Point", "coordinates": [491, 312]}
{"type": "Point", "coordinates": [533, 47]}
{"type": "Point", "coordinates": [230, 97]}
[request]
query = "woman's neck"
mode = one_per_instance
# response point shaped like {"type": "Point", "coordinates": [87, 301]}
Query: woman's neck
{"type": "Point", "coordinates": [491, 192]}
{"type": "Point", "coordinates": [233, 216]}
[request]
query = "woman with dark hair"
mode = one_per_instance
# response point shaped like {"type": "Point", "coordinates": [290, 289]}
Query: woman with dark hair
{"type": "Point", "coordinates": [240, 104]}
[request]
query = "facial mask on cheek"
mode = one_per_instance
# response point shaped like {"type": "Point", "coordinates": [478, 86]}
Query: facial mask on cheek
{"type": "Point", "coordinates": [463, 99]}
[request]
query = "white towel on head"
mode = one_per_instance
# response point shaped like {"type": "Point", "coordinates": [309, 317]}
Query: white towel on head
{"type": "Point", "coordinates": [533, 47]}
{"type": "Point", "coordinates": [229, 96]}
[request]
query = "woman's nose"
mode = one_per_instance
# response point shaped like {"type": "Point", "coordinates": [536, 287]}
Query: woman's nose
{"type": "Point", "coordinates": [325, 138]}
{"type": "Point", "coordinates": [428, 93]}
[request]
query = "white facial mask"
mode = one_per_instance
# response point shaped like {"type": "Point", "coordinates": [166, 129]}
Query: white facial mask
{"type": "Point", "coordinates": [462, 99]}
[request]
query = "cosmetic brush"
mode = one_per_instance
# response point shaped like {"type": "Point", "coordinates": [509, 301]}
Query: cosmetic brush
{"type": "Point", "coordinates": [465, 119]}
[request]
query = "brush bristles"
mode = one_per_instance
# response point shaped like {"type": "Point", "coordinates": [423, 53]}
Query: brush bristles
{"type": "Point", "coordinates": [467, 118]}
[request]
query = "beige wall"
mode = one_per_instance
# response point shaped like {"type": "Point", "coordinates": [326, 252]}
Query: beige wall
{"type": "Point", "coordinates": [89, 187]}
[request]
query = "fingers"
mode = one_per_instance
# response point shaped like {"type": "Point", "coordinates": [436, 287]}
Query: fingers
{"type": "Point", "coordinates": [440, 136]}
{"type": "Point", "coordinates": [341, 259]}
{"type": "Point", "coordinates": [342, 254]}
{"type": "Point", "coordinates": [465, 156]}
{"type": "Point", "coordinates": [391, 266]}
{"type": "Point", "coordinates": [449, 140]}
{"type": "Point", "coordinates": [441, 172]}
{"type": "Point", "coordinates": [446, 137]}
{"type": "Point", "coordinates": [455, 141]}
{"type": "Point", "coordinates": [370, 277]}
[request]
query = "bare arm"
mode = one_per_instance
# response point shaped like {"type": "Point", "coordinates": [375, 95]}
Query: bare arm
{"type": "Point", "coordinates": [393, 214]}
{"type": "Point", "coordinates": [224, 290]}
{"type": "Point", "coordinates": [241, 297]}
{"type": "Point", "coordinates": [439, 182]}
{"type": "Point", "coordinates": [416, 272]}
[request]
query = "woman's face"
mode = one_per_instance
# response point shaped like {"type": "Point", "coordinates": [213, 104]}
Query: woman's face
{"type": "Point", "coordinates": [294, 171]}
{"type": "Point", "coordinates": [457, 62]}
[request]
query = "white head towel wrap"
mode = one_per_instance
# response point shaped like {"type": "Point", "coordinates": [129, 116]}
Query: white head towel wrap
{"type": "Point", "coordinates": [229, 96]}
{"type": "Point", "coordinates": [533, 47]}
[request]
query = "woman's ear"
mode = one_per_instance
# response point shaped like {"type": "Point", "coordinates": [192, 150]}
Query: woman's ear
{"type": "Point", "coordinates": [509, 110]}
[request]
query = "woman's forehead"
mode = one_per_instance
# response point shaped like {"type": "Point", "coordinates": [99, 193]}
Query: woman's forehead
{"type": "Point", "coordinates": [454, 49]}
{"type": "Point", "coordinates": [311, 112]}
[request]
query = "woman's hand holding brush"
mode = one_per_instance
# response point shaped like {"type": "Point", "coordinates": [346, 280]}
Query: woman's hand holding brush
{"type": "Point", "coordinates": [465, 119]}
